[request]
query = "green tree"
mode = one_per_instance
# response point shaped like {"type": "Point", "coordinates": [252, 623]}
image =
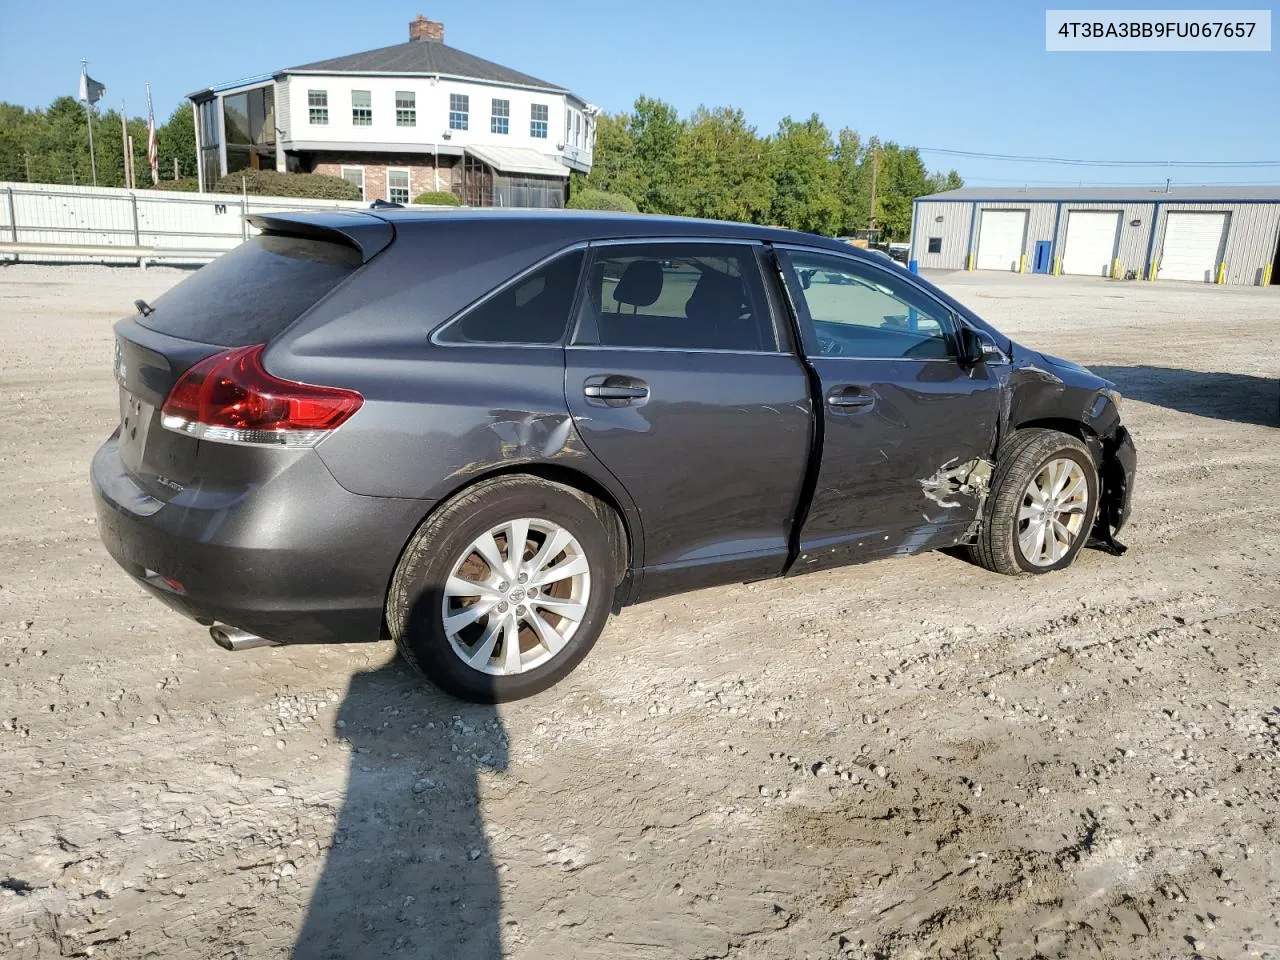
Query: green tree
{"type": "Point", "coordinates": [852, 184]}
{"type": "Point", "coordinates": [656, 132]}
{"type": "Point", "coordinates": [723, 170]}
{"type": "Point", "coordinates": [940, 181]}
{"type": "Point", "coordinates": [176, 137]}
{"type": "Point", "coordinates": [53, 144]}
{"type": "Point", "coordinates": [613, 169]}
{"type": "Point", "coordinates": [902, 178]}
{"type": "Point", "coordinates": [807, 192]}
{"type": "Point", "coordinates": [589, 199]}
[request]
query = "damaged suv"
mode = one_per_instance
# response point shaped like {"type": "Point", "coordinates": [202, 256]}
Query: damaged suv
{"type": "Point", "coordinates": [481, 432]}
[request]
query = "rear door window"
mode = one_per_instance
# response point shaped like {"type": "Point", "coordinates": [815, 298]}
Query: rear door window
{"type": "Point", "coordinates": [676, 296]}
{"type": "Point", "coordinates": [252, 293]}
{"type": "Point", "coordinates": [532, 309]}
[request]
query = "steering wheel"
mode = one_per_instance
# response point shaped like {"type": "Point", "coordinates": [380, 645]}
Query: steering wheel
{"type": "Point", "coordinates": [829, 347]}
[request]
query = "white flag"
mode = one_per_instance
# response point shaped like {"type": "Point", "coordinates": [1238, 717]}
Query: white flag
{"type": "Point", "coordinates": [91, 90]}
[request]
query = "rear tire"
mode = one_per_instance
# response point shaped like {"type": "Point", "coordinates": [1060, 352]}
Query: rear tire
{"type": "Point", "coordinates": [1032, 463]}
{"type": "Point", "coordinates": [535, 630]}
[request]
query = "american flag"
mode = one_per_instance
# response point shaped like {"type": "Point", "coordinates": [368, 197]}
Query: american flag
{"type": "Point", "coordinates": [153, 152]}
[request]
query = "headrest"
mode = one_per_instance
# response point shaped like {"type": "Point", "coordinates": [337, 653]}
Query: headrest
{"type": "Point", "coordinates": [717, 294]}
{"type": "Point", "coordinates": [641, 283]}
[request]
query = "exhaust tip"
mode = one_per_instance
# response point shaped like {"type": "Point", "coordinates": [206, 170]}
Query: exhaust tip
{"type": "Point", "coordinates": [235, 639]}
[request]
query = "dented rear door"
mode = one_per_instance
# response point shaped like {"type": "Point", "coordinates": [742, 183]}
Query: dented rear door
{"type": "Point", "coordinates": [907, 431]}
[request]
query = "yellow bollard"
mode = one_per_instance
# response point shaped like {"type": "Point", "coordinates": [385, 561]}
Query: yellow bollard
{"type": "Point", "coordinates": [1222, 272]}
{"type": "Point", "coordinates": [1022, 263]}
{"type": "Point", "coordinates": [1266, 275]}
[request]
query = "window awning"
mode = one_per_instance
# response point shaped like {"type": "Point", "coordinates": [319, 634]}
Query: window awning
{"type": "Point", "coordinates": [519, 160]}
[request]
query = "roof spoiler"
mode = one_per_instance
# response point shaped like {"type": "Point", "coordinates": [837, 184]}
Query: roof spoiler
{"type": "Point", "coordinates": [368, 234]}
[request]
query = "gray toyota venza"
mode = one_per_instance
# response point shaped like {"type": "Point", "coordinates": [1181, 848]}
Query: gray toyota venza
{"type": "Point", "coordinates": [479, 433]}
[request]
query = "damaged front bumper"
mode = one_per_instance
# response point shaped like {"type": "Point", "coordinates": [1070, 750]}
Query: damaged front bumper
{"type": "Point", "coordinates": [1117, 466]}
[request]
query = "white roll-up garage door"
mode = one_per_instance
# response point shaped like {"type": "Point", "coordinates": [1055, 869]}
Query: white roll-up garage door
{"type": "Point", "coordinates": [1000, 239]}
{"type": "Point", "coordinates": [1091, 242]}
{"type": "Point", "coordinates": [1193, 244]}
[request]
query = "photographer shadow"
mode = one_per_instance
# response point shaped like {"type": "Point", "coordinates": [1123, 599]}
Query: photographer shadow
{"type": "Point", "coordinates": [409, 873]}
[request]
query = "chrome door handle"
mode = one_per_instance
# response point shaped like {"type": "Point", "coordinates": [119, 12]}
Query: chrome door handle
{"type": "Point", "coordinates": [615, 389]}
{"type": "Point", "coordinates": [603, 392]}
{"type": "Point", "coordinates": [849, 398]}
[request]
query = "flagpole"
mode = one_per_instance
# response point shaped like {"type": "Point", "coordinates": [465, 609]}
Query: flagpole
{"type": "Point", "coordinates": [124, 143]}
{"type": "Point", "coordinates": [88, 116]}
{"type": "Point", "coordinates": [153, 153]}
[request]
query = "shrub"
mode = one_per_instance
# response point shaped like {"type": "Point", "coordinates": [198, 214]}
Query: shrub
{"type": "Point", "coordinates": [185, 185]}
{"type": "Point", "coordinates": [438, 198]}
{"type": "Point", "coordinates": [270, 183]}
{"type": "Point", "coordinates": [601, 200]}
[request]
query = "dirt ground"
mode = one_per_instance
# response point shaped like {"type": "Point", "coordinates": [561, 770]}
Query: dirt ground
{"type": "Point", "coordinates": [914, 758]}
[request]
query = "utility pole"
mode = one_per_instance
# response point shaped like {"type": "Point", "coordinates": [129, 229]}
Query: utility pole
{"type": "Point", "coordinates": [26, 158]}
{"type": "Point", "coordinates": [875, 169]}
{"type": "Point", "coordinates": [176, 175]}
{"type": "Point", "coordinates": [124, 146]}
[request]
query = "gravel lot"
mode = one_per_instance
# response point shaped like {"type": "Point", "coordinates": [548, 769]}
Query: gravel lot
{"type": "Point", "coordinates": [914, 758]}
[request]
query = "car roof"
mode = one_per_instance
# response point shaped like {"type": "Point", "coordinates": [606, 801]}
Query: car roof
{"type": "Point", "coordinates": [602, 225]}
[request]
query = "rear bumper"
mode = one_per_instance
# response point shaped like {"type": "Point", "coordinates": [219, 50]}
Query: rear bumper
{"type": "Point", "coordinates": [293, 557]}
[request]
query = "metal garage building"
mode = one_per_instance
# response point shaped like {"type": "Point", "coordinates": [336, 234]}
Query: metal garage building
{"type": "Point", "coordinates": [1223, 234]}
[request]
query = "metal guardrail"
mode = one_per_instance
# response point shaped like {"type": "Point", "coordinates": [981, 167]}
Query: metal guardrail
{"type": "Point", "coordinates": [54, 222]}
{"type": "Point", "coordinates": [84, 251]}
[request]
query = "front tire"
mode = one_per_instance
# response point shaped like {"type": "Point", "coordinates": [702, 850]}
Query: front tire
{"type": "Point", "coordinates": [504, 589]}
{"type": "Point", "coordinates": [1043, 500]}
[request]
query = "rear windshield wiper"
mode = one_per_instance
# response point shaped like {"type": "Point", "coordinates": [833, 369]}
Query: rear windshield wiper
{"type": "Point", "coordinates": [144, 308]}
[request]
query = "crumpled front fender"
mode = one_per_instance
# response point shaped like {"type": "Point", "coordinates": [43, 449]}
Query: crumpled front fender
{"type": "Point", "coordinates": [1117, 467]}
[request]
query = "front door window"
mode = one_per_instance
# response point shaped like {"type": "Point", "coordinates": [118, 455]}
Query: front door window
{"type": "Point", "coordinates": [858, 310]}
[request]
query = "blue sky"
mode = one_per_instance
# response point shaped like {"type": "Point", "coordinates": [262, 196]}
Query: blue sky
{"type": "Point", "coordinates": [933, 74]}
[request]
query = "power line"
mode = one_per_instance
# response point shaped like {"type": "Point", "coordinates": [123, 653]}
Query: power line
{"type": "Point", "coordinates": [1008, 181]}
{"type": "Point", "coordinates": [972, 154]}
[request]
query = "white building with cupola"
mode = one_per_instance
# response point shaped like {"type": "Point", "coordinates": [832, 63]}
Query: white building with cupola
{"type": "Point", "coordinates": [400, 121]}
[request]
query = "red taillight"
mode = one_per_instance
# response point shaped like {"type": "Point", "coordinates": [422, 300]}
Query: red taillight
{"type": "Point", "coordinates": [229, 397]}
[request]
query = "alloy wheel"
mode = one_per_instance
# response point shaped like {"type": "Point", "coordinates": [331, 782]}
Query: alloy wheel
{"type": "Point", "coordinates": [1053, 512]}
{"type": "Point", "coordinates": [516, 596]}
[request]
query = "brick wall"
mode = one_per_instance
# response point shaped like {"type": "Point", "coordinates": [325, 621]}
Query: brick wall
{"type": "Point", "coordinates": [423, 173]}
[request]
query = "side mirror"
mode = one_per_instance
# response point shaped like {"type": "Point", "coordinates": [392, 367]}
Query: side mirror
{"type": "Point", "coordinates": [977, 346]}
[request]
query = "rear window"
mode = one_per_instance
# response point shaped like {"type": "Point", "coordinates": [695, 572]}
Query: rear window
{"type": "Point", "coordinates": [252, 293]}
{"type": "Point", "coordinates": [532, 310]}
